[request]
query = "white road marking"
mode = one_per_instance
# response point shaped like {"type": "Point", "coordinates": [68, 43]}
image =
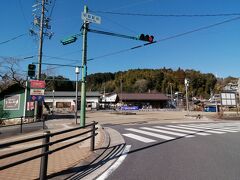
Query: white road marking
{"type": "Point", "coordinates": [201, 129]}
{"type": "Point", "coordinates": [193, 129]}
{"type": "Point", "coordinates": [116, 164]}
{"type": "Point", "coordinates": [139, 138]}
{"type": "Point", "coordinates": [181, 130]}
{"type": "Point", "coordinates": [213, 128]}
{"type": "Point", "coordinates": [151, 134]}
{"type": "Point", "coordinates": [167, 132]}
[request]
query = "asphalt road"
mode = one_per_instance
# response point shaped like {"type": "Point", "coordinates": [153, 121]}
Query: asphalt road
{"type": "Point", "coordinates": [213, 154]}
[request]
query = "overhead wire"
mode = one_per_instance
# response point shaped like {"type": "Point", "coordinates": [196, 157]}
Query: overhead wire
{"type": "Point", "coordinates": [118, 24]}
{"type": "Point", "coordinates": [167, 38]}
{"type": "Point", "coordinates": [59, 58]}
{"type": "Point", "coordinates": [12, 39]}
{"type": "Point", "coordinates": [167, 15]}
{"type": "Point", "coordinates": [21, 8]}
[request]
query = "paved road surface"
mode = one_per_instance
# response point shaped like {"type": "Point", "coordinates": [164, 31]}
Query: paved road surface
{"type": "Point", "coordinates": [186, 151]}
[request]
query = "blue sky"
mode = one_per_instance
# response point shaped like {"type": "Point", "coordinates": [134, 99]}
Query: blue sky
{"type": "Point", "coordinates": [214, 50]}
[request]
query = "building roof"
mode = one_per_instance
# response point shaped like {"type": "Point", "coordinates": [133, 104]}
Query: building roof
{"type": "Point", "coordinates": [70, 94]}
{"type": "Point", "coordinates": [142, 96]}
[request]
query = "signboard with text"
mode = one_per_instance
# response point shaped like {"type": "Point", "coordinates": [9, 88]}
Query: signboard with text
{"type": "Point", "coordinates": [91, 18]}
{"type": "Point", "coordinates": [129, 108]}
{"type": "Point", "coordinates": [37, 98]}
{"type": "Point", "coordinates": [37, 88]}
{"type": "Point", "coordinates": [11, 102]}
{"type": "Point", "coordinates": [37, 84]}
{"type": "Point", "coordinates": [37, 92]}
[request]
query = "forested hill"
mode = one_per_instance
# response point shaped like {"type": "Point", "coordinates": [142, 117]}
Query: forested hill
{"type": "Point", "coordinates": [155, 80]}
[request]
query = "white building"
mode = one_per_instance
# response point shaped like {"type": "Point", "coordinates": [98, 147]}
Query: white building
{"type": "Point", "coordinates": [64, 101]}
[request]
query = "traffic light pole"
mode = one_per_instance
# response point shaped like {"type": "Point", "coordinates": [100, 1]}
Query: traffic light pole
{"type": "Point", "coordinates": [84, 72]}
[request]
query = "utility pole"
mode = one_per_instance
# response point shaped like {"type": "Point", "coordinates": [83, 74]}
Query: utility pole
{"type": "Point", "coordinates": [171, 93]}
{"type": "Point", "coordinates": [40, 54]}
{"type": "Point", "coordinates": [84, 71]}
{"type": "Point", "coordinates": [186, 86]}
{"type": "Point", "coordinates": [41, 22]}
{"type": "Point", "coordinates": [40, 42]}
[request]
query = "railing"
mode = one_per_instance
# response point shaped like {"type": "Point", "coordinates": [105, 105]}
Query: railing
{"type": "Point", "coordinates": [46, 143]}
{"type": "Point", "coordinates": [23, 123]}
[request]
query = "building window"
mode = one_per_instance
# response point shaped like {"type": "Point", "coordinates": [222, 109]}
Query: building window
{"type": "Point", "coordinates": [63, 104]}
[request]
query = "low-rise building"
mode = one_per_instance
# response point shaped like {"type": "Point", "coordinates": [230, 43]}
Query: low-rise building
{"type": "Point", "coordinates": [144, 100]}
{"type": "Point", "coordinates": [64, 101]}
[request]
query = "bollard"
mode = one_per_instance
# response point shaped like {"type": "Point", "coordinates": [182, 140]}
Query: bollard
{"type": "Point", "coordinates": [44, 159]}
{"type": "Point", "coordinates": [93, 137]}
{"type": "Point", "coordinates": [21, 125]}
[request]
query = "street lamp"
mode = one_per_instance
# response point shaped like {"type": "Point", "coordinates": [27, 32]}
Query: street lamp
{"type": "Point", "coordinates": [77, 71]}
{"type": "Point", "coordinates": [186, 82]}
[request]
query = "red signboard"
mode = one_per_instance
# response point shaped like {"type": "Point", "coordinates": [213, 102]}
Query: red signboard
{"type": "Point", "coordinates": [37, 84]}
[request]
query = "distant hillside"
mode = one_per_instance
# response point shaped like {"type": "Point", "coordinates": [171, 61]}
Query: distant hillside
{"type": "Point", "coordinates": [157, 80]}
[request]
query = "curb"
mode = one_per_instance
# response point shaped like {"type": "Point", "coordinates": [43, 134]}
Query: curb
{"type": "Point", "coordinates": [98, 161]}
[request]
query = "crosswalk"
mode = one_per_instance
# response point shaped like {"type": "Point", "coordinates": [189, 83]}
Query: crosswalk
{"type": "Point", "coordinates": [155, 133]}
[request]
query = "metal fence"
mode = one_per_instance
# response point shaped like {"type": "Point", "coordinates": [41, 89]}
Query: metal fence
{"type": "Point", "coordinates": [22, 123]}
{"type": "Point", "coordinates": [46, 143]}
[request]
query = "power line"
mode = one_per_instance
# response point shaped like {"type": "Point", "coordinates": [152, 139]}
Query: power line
{"type": "Point", "coordinates": [167, 15]}
{"type": "Point", "coordinates": [13, 38]}
{"type": "Point", "coordinates": [59, 58]}
{"type": "Point", "coordinates": [167, 38]}
{"type": "Point", "coordinates": [54, 3]}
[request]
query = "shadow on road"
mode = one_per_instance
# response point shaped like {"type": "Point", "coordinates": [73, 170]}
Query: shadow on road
{"type": "Point", "coordinates": [82, 170]}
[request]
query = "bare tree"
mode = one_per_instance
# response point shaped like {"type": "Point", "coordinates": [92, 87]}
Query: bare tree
{"type": "Point", "coordinates": [9, 72]}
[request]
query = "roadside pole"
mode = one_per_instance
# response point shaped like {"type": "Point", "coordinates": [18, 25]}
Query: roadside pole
{"type": "Point", "coordinates": [76, 98]}
{"type": "Point", "coordinates": [84, 71]}
{"type": "Point", "coordinates": [186, 86]}
{"type": "Point", "coordinates": [39, 55]}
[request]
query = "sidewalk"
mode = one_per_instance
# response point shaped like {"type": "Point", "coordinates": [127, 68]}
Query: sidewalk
{"type": "Point", "coordinates": [59, 161]}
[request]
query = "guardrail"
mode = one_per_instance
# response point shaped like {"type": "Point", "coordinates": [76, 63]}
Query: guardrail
{"type": "Point", "coordinates": [46, 143]}
{"type": "Point", "coordinates": [23, 123]}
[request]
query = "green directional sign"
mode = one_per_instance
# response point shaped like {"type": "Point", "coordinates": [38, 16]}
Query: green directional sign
{"type": "Point", "coordinates": [69, 40]}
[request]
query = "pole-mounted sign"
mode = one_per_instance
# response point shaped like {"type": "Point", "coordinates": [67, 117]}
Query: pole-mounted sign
{"type": "Point", "coordinates": [91, 18]}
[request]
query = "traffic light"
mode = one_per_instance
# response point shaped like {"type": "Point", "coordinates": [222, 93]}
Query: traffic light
{"type": "Point", "coordinates": [31, 70]}
{"type": "Point", "coordinates": [146, 38]}
{"type": "Point", "coordinates": [69, 40]}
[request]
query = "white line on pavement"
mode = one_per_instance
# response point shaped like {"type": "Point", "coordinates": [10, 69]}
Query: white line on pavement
{"type": "Point", "coordinates": [116, 164]}
{"type": "Point", "coordinates": [166, 132]}
{"type": "Point", "coordinates": [181, 130]}
{"type": "Point", "coordinates": [151, 134]}
{"type": "Point", "coordinates": [139, 138]}
{"type": "Point", "coordinates": [193, 129]}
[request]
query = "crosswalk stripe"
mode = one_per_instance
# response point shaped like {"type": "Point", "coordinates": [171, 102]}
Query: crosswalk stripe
{"type": "Point", "coordinates": [139, 138]}
{"type": "Point", "coordinates": [181, 130]}
{"type": "Point", "coordinates": [150, 134]}
{"type": "Point", "coordinates": [218, 129]}
{"type": "Point", "coordinates": [201, 129]}
{"type": "Point", "coordinates": [167, 132]}
{"type": "Point", "coordinates": [196, 129]}
{"type": "Point", "coordinates": [191, 129]}
{"type": "Point", "coordinates": [226, 130]}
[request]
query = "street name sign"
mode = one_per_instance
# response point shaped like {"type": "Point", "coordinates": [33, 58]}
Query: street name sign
{"type": "Point", "coordinates": [91, 18]}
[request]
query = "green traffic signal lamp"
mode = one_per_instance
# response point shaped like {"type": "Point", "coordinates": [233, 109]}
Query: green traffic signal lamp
{"type": "Point", "coordinates": [69, 40]}
{"type": "Point", "coordinates": [31, 70]}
